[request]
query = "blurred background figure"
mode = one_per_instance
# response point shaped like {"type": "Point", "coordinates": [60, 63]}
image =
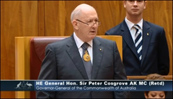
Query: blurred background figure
{"type": "Point", "coordinates": [145, 49]}
{"type": "Point", "coordinates": [155, 94]}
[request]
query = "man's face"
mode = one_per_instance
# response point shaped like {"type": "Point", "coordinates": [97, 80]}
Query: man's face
{"type": "Point", "coordinates": [87, 25]}
{"type": "Point", "coordinates": [156, 95]}
{"type": "Point", "coordinates": [134, 7]}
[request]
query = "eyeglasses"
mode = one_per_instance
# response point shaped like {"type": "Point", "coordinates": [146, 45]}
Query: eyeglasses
{"type": "Point", "coordinates": [90, 23]}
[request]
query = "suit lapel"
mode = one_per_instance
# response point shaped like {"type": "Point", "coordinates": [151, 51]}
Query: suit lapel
{"type": "Point", "coordinates": [73, 52]}
{"type": "Point", "coordinates": [127, 38]}
{"type": "Point", "coordinates": [97, 56]}
{"type": "Point", "coordinates": [146, 39]}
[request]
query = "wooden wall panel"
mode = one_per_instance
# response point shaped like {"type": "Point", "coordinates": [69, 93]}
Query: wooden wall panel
{"type": "Point", "coordinates": [57, 17]}
{"type": "Point", "coordinates": [110, 14]}
{"type": "Point", "coordinates": [41, 18]}
{"type": "Point", "coordinates": [18, 18]}
{"type": "Point", "coordinates": [52, 18]}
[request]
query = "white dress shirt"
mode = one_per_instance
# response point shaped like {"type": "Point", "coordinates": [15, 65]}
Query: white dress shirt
{"type": "Point", "coordinates": [132, 29]}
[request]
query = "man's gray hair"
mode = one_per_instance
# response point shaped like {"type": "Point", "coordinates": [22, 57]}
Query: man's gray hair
{"type": "Point", "coordinates": [76, 12]}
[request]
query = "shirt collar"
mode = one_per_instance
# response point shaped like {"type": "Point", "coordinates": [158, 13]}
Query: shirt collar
{"type": "Point", "coordinates": [79, 42]}
{"type": "Point", "coordinates": [131, 24]}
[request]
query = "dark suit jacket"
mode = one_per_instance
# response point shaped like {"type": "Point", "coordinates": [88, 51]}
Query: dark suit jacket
{"type": "Point", "coordinates": [63, 61]}
{"type": "Point", "coordinates": [155, 56]}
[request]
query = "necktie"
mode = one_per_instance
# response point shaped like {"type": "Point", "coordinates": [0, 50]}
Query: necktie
{"type": "Point", "coordinates": [138, 41]}
{"type": "Point", "coordinates": [86, 60]}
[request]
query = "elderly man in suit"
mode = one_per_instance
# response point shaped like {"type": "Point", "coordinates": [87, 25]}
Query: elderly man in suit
{"type": "Point", "coordinates": [145, 49]}
{"type": "Point", "coordinates": [69, 59]}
